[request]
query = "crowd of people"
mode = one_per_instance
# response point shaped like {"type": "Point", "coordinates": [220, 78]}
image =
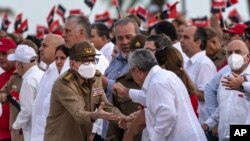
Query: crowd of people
{"type": "Point", "coordinates": [172, 82]}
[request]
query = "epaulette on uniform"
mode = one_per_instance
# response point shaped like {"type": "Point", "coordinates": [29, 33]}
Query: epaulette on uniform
{"type": "Point", "coordinates": [98, 73]}
{"type": "Point", "coordinates": [68, 77]}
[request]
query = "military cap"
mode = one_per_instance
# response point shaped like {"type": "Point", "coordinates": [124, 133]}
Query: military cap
{"type": "Point", "coordinates": [137, 42]}
{"type": "Point", "coordinates": [82, 49]}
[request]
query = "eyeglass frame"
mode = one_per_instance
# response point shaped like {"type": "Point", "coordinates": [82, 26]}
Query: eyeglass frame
{"type": "Point", "coordinates": [86, 61]}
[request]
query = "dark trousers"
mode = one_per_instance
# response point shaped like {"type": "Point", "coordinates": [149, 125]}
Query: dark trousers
{"type": "Point", "coordinates": [98, 138]}
{"type": "Point", "coordinates": [210, 136]}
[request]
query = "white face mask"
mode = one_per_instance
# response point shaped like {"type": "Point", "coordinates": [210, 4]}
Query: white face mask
{"type": "Point", "coordinates": [235, 61]}
{"type": "Point", "coordinates": [87, 71]}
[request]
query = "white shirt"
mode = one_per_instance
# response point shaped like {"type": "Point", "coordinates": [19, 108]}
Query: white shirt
{"type": "Point", "coordinates": [184, 56]}
{"type": "Point", "coordinates": [169, 113]}
{"type": "Point", "coordinates": [201, 70]}
{"type": "Point", "coordinates": [97, 126]}
{"type": "Point", "coordinates": [234, 108]}
{"type": "Point", "coordinates": [1, 110]}
{"type": "Point", "coordinates": [39, 110]}
{"type": "Point", "coordinates": [107, 50]}
{"type": "Point", "coordinates": [1, 70]}
{"type": "Point", "coordinates": [102, 63]}
{"type": "Point", "coordinates": [28, 91]}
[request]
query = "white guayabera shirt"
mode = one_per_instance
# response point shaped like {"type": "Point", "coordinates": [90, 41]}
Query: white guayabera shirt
{"type": "Point", "coordinates": [28, 91]}
{"type": "Point", "coordinates": [168, 109]}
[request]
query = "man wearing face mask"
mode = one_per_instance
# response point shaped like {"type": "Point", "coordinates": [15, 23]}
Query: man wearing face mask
{"type": "Point", "coordinates": [75, 96]}
{"type": "Point", "coordinates": [229, 111]}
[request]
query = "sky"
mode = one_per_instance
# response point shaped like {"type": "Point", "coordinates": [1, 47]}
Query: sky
{"type": "Point", "coordinates": [37, 10]}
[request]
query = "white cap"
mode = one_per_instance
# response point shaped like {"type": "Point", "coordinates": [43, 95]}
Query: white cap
{"type": "Point", "coordinates": [23, 53]}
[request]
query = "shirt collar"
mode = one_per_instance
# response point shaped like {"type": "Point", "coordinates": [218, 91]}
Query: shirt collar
{"type": "Point", "coordinates": [29, 71]}
{"type": "Point", "coordinates": [107, 45]}
{"type": "Point", "coordinates": [247, 70]}
{"type": "Point", "coordinates": [196, 57]}
{"type": "Point", "coordinates": [51, 66]}
{"type": "Point", "coordinates": [149, 76]}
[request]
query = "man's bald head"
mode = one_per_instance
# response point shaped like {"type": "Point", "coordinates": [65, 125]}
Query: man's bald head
{"type": "Point", "coordinates": [239, 45]}
{"type": "Point", "coordinates": [55, 39]}
{"type": "Point", "coordinates": [48, 47]}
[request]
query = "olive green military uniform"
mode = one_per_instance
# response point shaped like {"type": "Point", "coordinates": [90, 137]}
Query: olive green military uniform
{"type": "Point", "coordinates": [126, 106]}
{"type": "Point", "coordinates": [219, 58]}
{"type": "Point", "coordinates": [72, 101]}
{"type": "Point", "coordinates": [13, 86]}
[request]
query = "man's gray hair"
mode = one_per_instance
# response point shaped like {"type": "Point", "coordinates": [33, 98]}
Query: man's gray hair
{"type": "Point", "coordinates": [126, 21]}
{"type": "Point", "coordinates": [83, 22]}
{"type": "Point", "coordinates": [143, 59]}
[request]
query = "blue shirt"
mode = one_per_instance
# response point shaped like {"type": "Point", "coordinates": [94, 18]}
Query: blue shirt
{"type": "Point", "coordinates": [210, 91]}
{"type": "Point", "coordinates": [117, 67]}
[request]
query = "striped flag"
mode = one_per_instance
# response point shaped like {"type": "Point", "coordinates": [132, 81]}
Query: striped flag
{"type": "Point", "coordinates": [18, 20]}
{"type": "Point", "coordinates": [50, 17]}
{"type": "Point", "coordinates": [5, 22]}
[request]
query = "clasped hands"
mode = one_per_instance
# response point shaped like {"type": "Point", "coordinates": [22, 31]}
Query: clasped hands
{"type": "Point", "coordinates": [102, 114]}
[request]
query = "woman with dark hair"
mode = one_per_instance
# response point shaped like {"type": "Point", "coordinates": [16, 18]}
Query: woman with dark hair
{"type": "Point", "coordinates": [61, 54]}
{"type": "Point", "coordinates": [171, 59]}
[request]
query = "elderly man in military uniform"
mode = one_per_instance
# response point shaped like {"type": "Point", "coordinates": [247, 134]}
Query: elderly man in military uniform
{"type": "Point", "coordinates": [75, 96]}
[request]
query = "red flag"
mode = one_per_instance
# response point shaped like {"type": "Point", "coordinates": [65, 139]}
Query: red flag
{"type": "Point", "coordinates": [55, 28]}
{"type": "Point", "coordinates": [201, 22]}
{"type": "Point", "coordinates": [50, 17]}
{"type": "Point", "coordinates": [218, 5]}
{"type": "Point", "coordinates": [131, 11]}
{"type": "Point", "coordinates": [231, 2]}
{"type": "Point", "coordinates": [5, 22]}
{"type": "Point", "coordinates": [75, 11]}
{"type": "Point", "coordinates": [234, 16]}
{"type": "Point", "coordinates": [141, 13]}
{"type": "Point", "coordinates": [61, 11]}
{"type": "Point", "coordinates": [115, 3]}
{"type": "Point", "coordinates": [23, 27]}
{"type": "Point", "coordinates": [40, 31]}
{"type": "Point", "coordinates": [103, 17]}
{"type": "Point", "coordinates": [18, 21]}
{"type": "Point", "coordinates": [110, 23]}
{"type": "Point", "coordinates": [172, 10]}
{"type": "Point", "coordinates": [152, 19]}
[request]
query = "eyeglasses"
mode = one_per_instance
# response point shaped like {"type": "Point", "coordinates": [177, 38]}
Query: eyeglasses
{"type": "Point", "coordinates": [87, 61]}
